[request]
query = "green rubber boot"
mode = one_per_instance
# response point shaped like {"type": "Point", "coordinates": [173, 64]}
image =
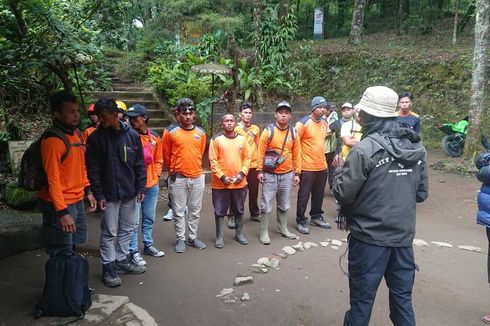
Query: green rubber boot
{"type": "Point", "coordinates": [219, 242]}
{"type": "Point", "coordinates": [264, 229]}
{"type": "Point", "coordinates": [282, 225]}
{"type": "Point", "coordinates": [239, 230]}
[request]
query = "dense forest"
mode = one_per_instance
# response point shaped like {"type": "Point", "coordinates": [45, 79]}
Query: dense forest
{"type": "Point", "coordinates": [422, 46]}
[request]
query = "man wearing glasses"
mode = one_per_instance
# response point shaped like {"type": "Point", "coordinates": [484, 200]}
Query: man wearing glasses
{"type": "Point", "coordinates": [183, 148]}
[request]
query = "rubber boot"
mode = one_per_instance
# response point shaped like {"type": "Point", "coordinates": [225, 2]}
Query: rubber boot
{"type": "Point", "coordinates": [264, 229]}
{"type": "Point", "coordinates": [282, 225]}
{"type": "Point", "coordinates": [231, 223]}
{"type": "Point", "coordinates": [219, 242]}
{"type": "Point", "coordinates": [239, 230]}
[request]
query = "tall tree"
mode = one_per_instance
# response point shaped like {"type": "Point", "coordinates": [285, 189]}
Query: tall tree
{"type": "Point", "coordinates": [257, 17]}
{"type": "Point", "coordinates": [456, 18]}
{"type": "Point", "coordinates": [355, 36]}
{"type": "Point", "coordinates": [477, 101]}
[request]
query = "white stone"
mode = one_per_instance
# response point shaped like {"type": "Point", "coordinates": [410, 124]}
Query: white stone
{"type": "Point", "coordinates": [470, 248]}
{"type": "Point", "coordinates": [344, 240]}
{"type": "Point", "coordinates": [420, 243]}
{"type": "Point", "coordinates": [313, 244]}
{"type": "Point", "coordinates": [324, 244]}
{"type": "Point", "coordinates": [263, 261]}
{"type": "Point", "coordinates": [103, 306]}
{"type": "Point", "coordinates": [337, 243]}
{"type": "Point", "coordinates": [289, 250]}
{"type": "Point", "coordinates": [225, 291]}
{"type": "Point", "coordinates": [240, 280]}
{"type": "Point", "coordinates": [274, 262]}
{"type": "Point", "coordinates": [277, 290]}
{"type": "Point", "coordinates": [142, 315]}
{"type": "Point", "coordinates": [334, 247]}
{"type": "Point", "coordinates": [255, 265]}
{"type": "Point", "coordinates": [281, 254]}
{"type": "Point", "coordinates": [307, 246]}
{"type": "Point", "coordinates": [264, 270]}
{"type": "Point", "coordinates": [140, 283]}
{"type": "Point", "coordinates": [245, 297]}
{"type": "Point", "coordinates": [442, 244]}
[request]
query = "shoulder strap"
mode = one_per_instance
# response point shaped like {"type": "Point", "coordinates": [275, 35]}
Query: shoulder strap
{"type": "Point", "coordinates": [251, 134]}
{"type": "Point", "coordinates": [270, 128]}
{"type": "Point", "coordinates": [58, 133]}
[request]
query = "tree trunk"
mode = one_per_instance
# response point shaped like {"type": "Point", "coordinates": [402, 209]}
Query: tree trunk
{"type": "Point", "coordinates": [257, 14]}
{"type": "Point", "coordinates": [19, 18]}
{"type": "Point", "coordinates": [477, 102]}
{"type": "Point", "coordinates": [62, 75]}
{"type": "Point", "coordinates": [234, 71]}
{"type": "Point", "coordinates": [355, 36]}
{"type": "Point", "coordinates": [455, 28]}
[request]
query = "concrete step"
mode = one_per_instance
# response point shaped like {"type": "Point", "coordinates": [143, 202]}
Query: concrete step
{"type": "Point", "coordinates": [129, 87]}
{"type": "Point", "coordinates": [126, 95]}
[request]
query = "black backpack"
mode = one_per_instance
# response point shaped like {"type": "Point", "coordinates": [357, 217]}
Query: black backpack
{"type": "Point", "coordinates": [66, 292]}
{"type": "Point", "coordinates": [32, 176]}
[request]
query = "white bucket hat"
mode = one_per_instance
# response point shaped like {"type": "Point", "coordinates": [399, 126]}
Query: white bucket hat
{"type": "Point", "coordinates": [379, 101]}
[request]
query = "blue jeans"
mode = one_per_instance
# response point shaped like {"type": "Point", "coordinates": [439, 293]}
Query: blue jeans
{"type": "Point", "coordinates": [368, 264]}
{"type": "Point", "coordinates": [55, 239]}
{"type": "Point", "coordinates": [148, 208]}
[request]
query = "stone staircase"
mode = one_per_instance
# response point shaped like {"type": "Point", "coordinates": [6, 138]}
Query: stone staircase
{"type": "Point", "coordinates": [131, 93]}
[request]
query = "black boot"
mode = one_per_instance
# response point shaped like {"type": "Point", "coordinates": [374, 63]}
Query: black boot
{"type": "Point", "coordinates": [219, 242]}
{"type": "Point", "coordinates": [109, 275]}
{"type": "Point", "coordinates": [239, 230]}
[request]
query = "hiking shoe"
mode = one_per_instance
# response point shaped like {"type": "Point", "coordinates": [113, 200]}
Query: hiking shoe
{"type": "Point", "coordinates": [137, 259]}
{"type": "Point", "coordinates": [179, 246]}
{"type": "Point", "coordinates": [109, 275]}
{"type": "Point", "coordinates": [303, 228]}
{"type": "Point", "coordinates": [169, 216]}
{"type": "Point", "coordinates": [126, 266]}
{"type": "Point", "coordinates": [320, 222]}
{"type": "Point", "coordinates": [255, 218]}
{"type": "Point", "coordinates": [231, 223]}
{"type": "Point", "coordinates": [152, 251]}
{"type": "Point", "coordinates": [196, 243]}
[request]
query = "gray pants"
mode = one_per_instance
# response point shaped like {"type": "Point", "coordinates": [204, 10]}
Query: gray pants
{"type": "Point", "coordinates": [118, 221]}
{"type": "Point", "coordinates": [279, 186]}
{"type": "Point", "coordinates": [187, 192]}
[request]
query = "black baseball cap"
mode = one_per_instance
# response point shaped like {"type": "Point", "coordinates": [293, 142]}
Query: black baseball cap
{"type": "Point", "coordinates": [136, 110]}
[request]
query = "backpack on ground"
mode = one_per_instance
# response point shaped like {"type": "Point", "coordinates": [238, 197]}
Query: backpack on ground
{"type": "Point", "coordinates": [66, 292]}
{"type": "Point", "coordinates": [32, 176]}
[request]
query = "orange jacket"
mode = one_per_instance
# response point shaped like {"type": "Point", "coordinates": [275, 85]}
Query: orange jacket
{"type": "Point", "coordinates": [67, 180]}
{"type": "Point", "coordinates": [292, 150]}
{"type": "Point", "coordinates": [87, 133]}
{"type": "Point", "coordinates": [153, 170]}
{"type": "Point", "coordinates": [312, 136]}
{"type": "Point", "coordinates": [228, 157]}
{"type": "Point", "coordinates": [183, 150]}
{"type": "Point", "coordinates": [252, 134]}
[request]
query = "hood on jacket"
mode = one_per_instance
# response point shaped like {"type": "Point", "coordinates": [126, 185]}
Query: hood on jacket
{"type": "Point", "coordinates": [482, 160]}
{"type": "Point", "coordinates": [403, 144]}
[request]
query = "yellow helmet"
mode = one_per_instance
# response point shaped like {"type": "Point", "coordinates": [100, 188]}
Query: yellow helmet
{"type": "Point", "coordinates": [122, 106]}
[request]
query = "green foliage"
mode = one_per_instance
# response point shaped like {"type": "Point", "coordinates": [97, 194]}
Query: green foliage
{"type": "Point", "coordinates": [19, 198]}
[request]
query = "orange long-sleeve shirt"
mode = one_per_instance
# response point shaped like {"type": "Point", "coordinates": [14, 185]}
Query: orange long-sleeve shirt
{"type": "Point", "coordinates": [183, 150]}
{"type": "Point", "coordinates": [87, 132]}
{"type": "Point", "coordinates": [154, 170]}
{"type": "Point", "coordinates": [67, 180]}
{"type": "Point", "coordinates": [252, 134]}
{"type": "Point", "coordinates": [292, 150]}
{"type": "Point", "coordinates": [228, 157]}
{"type": "Point", "coordinates": [312, 136]}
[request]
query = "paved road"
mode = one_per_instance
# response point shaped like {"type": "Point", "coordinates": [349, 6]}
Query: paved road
{"type": "Point", "coordinates": [308, 289]}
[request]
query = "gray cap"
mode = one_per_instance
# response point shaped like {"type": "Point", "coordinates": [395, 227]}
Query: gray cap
{"type": "Point", "coordinates": [317, 102]}
{"type": "Point", "coordinates": [283, 104]}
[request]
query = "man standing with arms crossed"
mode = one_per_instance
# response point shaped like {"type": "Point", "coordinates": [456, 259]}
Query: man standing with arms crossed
{"type": "Point", "coordinates": [183, 148]}
{"type": "Point", "coordinates": [280, 138]}
{"type": "Point", "coordinates": [230, 161]}
{"type": "Point", "coordinates": [312, 131]}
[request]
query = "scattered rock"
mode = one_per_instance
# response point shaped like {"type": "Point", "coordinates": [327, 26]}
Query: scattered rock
{"type": "Point", "coordinates": [470, 248]}
{"type": "Point", "coordinates": [324, 244]}
{"type": "Point", "coordinates": [344, 240]}
{"type": "Point", "coordinates": [307, 246]}
{"type": "Point", "coordinates": [256, 265]}
{"type": "Point", "coordinates": [289, 250]}
{"type": "Point", "coordinates": [240, 280]}
{"type": "Point", "coordinates": [277, 290]}
{"type": "Point", "coordinates": [245, 297]}
{"type": "Point", "coordinates": [337, 243]}
{"type": "Point", "coordinates": [281, 254]}
{"type": "Point", "coordinates": [264, 270]}
{"type": "Point", "coordinates": [274, 262]}
{"type": "Point", "coordinates": [225, 291]}
{"type": "Point", "coordinates": [442, 244]}
{"type": "Point", "coordinates": [299, 246]}
{"type": "Point", "coordinates": [230, 299]}
{"type": "Point", "coordinates": [420, 243]}
{"type": "Point", "coordinates": [442, 181]}
{"type": "Point", "coordinates": [140, 283]}
{"type": "Point", "coordinates": [264, 261]}
{"type": "Point", "coordinates": [334, 247]}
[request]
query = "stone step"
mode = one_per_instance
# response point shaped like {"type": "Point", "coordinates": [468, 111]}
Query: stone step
{"type": "Point", "coordinates": [130, 87]}
{"type": "Point", "coordinates": [125, 95]}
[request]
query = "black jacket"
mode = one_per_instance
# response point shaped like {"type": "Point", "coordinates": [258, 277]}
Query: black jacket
{"type": "Point", "coordinates": [382, 179]}
{"type": "Point", "coordinates": [115, 165]}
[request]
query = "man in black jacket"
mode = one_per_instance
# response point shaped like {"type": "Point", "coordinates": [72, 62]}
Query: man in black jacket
{"type": "Point", "coordinates": [378, 187]}
{"type": "Point", "coordinates": [117, 174]}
